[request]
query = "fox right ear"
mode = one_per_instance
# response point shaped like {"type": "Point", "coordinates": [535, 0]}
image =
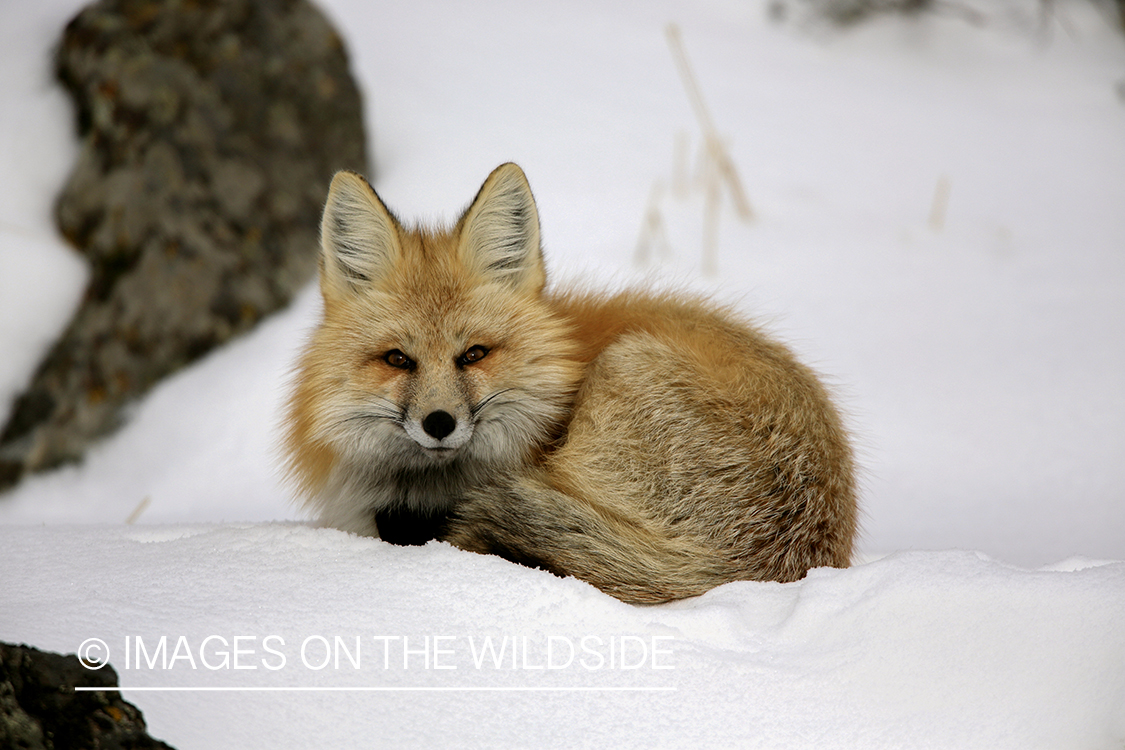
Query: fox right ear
{"type": "Point", "coordinates": [358, 237]}
{"type": "Point", "coordinates": [500, 231]}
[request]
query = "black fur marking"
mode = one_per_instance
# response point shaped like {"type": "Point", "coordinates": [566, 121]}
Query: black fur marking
{"type": "Point", "coordinates": [409, 528]}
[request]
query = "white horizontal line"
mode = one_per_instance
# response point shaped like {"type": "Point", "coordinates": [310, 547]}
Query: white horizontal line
{"type": "Point", "coordinates": [364, 689]}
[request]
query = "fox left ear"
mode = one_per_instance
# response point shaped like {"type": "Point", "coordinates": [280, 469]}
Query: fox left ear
{"type": "Point", "coordinates": [359, 241]}
{"type": "Point", "coordinates": [499, 232]}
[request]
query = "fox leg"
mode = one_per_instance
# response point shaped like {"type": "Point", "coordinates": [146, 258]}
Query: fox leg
{"type": "Point", "coordinates": [406, 527]}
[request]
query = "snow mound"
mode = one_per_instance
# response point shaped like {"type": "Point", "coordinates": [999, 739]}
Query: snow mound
{"type": "Point", "coordinates": [432, 646]}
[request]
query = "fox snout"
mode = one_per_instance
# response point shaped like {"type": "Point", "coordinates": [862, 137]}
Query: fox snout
{"type": "Point", "coordinates": [439, 430]}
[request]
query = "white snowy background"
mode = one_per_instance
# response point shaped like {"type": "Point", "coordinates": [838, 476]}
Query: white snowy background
{"type": "Point", "coordinates": [940, 230]}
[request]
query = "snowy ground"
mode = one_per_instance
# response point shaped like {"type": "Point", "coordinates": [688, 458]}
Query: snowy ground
{"type": "Point", "coordinates": [917, 650]}
{"type": "Point", "coordinates": [977, 350]}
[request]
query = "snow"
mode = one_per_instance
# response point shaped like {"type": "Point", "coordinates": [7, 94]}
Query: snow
{"type": "Point", "coordinates": [918, 649]}
{"type": "Point", "coordinates": [977, 353]}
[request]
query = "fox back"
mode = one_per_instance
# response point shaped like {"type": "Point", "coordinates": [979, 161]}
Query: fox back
{"type": "Point", "coordinates": [651, 444]}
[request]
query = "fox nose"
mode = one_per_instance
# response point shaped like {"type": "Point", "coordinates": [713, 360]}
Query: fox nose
{"type": "Point", "coordinates": [438, 424]}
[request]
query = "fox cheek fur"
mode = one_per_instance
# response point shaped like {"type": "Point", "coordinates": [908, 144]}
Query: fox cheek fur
{"type": "Point", "coordinates": [654, 445]}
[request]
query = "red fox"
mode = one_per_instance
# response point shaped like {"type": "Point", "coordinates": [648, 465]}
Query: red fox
{"type": "Point", "coordinates": [652, 444]}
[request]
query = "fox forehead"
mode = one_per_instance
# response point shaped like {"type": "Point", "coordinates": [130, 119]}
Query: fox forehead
{"type": "Point", "coordinates": [435, 320]}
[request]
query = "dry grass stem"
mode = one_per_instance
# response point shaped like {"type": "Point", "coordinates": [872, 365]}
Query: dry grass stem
{"type": "Point", "coordinates": [142, 506]}
{"type": "Point", "coordinates": [716, 150]}
{"type": "Point", "coordinates": [940, 204]}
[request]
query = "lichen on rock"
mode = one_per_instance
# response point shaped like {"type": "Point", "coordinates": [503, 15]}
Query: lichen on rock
{"type": "Point", "coordinates": [210, 131]}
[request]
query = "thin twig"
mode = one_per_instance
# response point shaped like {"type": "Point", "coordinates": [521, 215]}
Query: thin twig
{"type": "Point", "coordinates": [714, 144]}
{"type": "Point", "coordinates": [652, 230]}
{"type": "Point", "coordinates": [141, 507]}
{"type": "Point", "coordinates": [940, 203]}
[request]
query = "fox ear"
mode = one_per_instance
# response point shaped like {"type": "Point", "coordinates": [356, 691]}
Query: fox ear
{"type": "Point", "coordinates": [358, 237]}
{"type": "Point", "coordinates": [499, 232]}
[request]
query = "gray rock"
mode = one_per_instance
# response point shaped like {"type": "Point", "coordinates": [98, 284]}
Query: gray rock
{"type": "Point", "coordinates": [41, 710]}
{"type": "Point", "coordinates": [211, 129]}
{"type": "Point", "coordinates": [844, 12]}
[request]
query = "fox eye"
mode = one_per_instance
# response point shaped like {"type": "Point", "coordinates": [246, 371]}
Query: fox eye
{"type": "Point", "coordinates": [474, 354]}
{"type": "Point", "coordinates": [395, 358]}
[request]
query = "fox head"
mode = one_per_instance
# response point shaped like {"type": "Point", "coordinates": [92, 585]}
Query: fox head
{"type": "Point", "coordinates": [437, 351]}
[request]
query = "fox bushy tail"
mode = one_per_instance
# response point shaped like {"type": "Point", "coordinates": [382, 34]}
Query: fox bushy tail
{"type": "Point", "coordinates": [528, 522]}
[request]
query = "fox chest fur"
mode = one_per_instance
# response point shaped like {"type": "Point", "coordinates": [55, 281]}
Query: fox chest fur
{"type": "Point", "coordinates": [651, 444]}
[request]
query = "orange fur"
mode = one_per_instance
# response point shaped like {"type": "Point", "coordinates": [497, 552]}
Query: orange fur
{"type": "Point", "coordinates": [653, 444]}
